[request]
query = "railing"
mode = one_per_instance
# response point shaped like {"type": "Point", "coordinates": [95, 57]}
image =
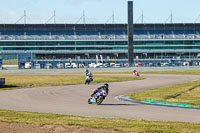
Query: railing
{"type": "Point", "coordinates": [98, 51]}
{"type": "Point", "coordinates": [101, 37]}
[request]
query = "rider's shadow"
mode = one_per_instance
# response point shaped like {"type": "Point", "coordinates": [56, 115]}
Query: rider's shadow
{"type": "Point", "coordinates": [117, 104]}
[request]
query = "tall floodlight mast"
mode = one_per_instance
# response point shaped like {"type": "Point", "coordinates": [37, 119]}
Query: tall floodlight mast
{"type": "Point", "coordinates": [142, 17]}
{"type": "Point", "coordinates": [130, 33]}
{"type": "Point", "coordinates": [83, 17]}
{"type": "Point", "coordinates": [113, 17]}
{"type": "Point", "coordinates": [22, 18]}
{"type": "Point", "coordinates": [170, 18]}
{"type": "Point", "coordinates": [53, 17]}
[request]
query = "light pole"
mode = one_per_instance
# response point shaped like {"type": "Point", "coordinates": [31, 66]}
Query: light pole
{"type": "Point", "coordinates": [130, 33]}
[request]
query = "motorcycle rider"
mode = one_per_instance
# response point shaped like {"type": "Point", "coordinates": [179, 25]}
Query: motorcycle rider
{"type": "Point", "coordinates": [88, 73]}
{"type": "Point", "coordinates": [88, 76]}
{"type": "Point", "coordinates": [105, 88]}
{"type": "Point", "coordinates": [135, 73]}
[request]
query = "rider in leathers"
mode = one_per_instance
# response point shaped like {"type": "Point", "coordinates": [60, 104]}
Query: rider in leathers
{"type": "Point", "coordinates": [105, 87]}
{"type": "Point", "coordinates": [88, 77]}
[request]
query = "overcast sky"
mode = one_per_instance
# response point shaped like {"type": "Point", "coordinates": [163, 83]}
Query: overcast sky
{"type": "Point", "coordinates": [98, 11]}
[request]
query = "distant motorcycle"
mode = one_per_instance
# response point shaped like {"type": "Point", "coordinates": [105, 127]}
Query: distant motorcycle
{"type": "Point", "coordinates": [135, 73]}
{"type": "Point", "coordinates": [98, 97]}
{"type": "Point", "coordinates": [88, 79]}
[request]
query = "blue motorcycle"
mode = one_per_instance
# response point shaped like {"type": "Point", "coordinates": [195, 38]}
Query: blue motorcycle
{"type": "Point", "coordinates": [88, 80]}
{"type": "Point", "coordinates": [98, 97]}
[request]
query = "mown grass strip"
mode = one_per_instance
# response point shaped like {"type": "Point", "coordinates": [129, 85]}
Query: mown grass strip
{"type": "Point", "coordinates": [26, 81]}
{"type": "Point", "coordinates": [186, 93]}
{"type": "Point", "coordinates": [122, 125]}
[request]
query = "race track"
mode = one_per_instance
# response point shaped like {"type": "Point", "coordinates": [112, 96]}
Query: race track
{"type": "Point", "coordinates": [72, 100]}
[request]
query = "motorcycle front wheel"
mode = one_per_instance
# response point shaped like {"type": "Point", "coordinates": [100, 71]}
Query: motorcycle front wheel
{"type": "Point", "coordinates": [89, 101]}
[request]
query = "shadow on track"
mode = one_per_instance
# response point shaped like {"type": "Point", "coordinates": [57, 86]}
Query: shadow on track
{"type": "Point", "coordinates": [118, 104]}
{"type": "Point", "coordinates": [8, 86]}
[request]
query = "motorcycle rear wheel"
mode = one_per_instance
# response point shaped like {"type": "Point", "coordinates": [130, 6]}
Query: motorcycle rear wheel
{"type": "Point", "coordinates": [99, 100]}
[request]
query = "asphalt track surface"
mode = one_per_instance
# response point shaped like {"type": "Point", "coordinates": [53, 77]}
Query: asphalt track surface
{"type": "Point", "coordinates": [72, 100]}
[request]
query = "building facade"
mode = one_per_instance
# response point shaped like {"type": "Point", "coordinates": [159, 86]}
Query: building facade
{"type": "Point", "coordinates": [86, 41]}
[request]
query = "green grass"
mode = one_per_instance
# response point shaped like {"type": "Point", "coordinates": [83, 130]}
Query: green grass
{"type": "Point", "coordinates": [122, 125]}
{"type": "Point", "coordinates": [186, 93]}
{"type": "Point", "coordinates": [14, 81]}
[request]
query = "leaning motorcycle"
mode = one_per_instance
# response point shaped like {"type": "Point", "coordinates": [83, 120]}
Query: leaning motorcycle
{"type": "Point", "coordinates": [136, 74]}
{"type": "Point", "coordinates": [98, 97]}
{"type": "Point", "coordinates": [88, 80]}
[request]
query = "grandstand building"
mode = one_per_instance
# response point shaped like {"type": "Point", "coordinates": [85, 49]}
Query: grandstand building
{"type": "Point", "coordinates": [85, 41]}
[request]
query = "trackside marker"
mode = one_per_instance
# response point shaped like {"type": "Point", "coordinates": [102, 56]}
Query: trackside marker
{"type": "Point", "coordinates": [167, 103]}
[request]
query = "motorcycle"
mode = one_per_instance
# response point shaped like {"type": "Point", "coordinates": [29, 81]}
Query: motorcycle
{"type": "Point", "coordinates": [98, 97]}
{"type": "Point", "coordinates": [136, 73]}
{"type": "Point", "coordinates": [88, 79]}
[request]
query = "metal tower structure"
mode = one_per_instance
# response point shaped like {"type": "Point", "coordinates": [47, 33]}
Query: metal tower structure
{"type": "Point", "coordinates": [24, 16]}
{"type": "Point", "coordinates": [53, 17]}
{"type": "Point", "coordinates": [130, 33]}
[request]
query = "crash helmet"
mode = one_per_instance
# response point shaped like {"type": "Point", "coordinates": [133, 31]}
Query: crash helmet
{"type": "Point", "coordinates": [106, 85]}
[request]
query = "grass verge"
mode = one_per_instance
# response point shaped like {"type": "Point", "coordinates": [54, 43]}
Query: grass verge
{"type": "Point", "coordinates": [186, 93]}
{"type": "Point", "coordinates": [21, 81]}
{"type": "Point", "coordinates": [122, 125]}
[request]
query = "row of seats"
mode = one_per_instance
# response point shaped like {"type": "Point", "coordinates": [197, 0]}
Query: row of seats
{"type": "Point", "coordinates": [118, 32]}
{"type": "Point", "coordinates": [169, 36]}
{"type": "Point", "coordinates": [96, 37]}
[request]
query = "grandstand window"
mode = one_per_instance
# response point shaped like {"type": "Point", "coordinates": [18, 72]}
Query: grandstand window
{"type": "Point", "coordinates": [188, 42]}
{"type": "Point", "coordinates": [104, 48]}
{"type": "Point", "coordinates": [66, 43]}
{"type": "Point", "coordinates": [100, 43]}
{"type": "Point", "coordinates": [196, 42]}
{"type": "Point", "coordinates": [110, 43]}
{"type": "Point", "coordinates": [120, 43]}
{"type": "Point", "coordinates": [9, 44]}
{"type": "Point", "coordinates": [8, 48]}
{"type": "Point", "coordinates": [49, 43]}
{"type": "Point", "coordinates": [85, 43]}
{"type": "Point", "coordinates": [40, 44]}
{"type": "Point", "coordinates": [187, 47]}
{"type": "Point", "coordinates": [174, 42]}
{"type": "Point", "coordinates": [20, 44]}
{"type": "Point", "coordinates": [138, 43]}
{"type": "Point", "coordinates": [154, 43]}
